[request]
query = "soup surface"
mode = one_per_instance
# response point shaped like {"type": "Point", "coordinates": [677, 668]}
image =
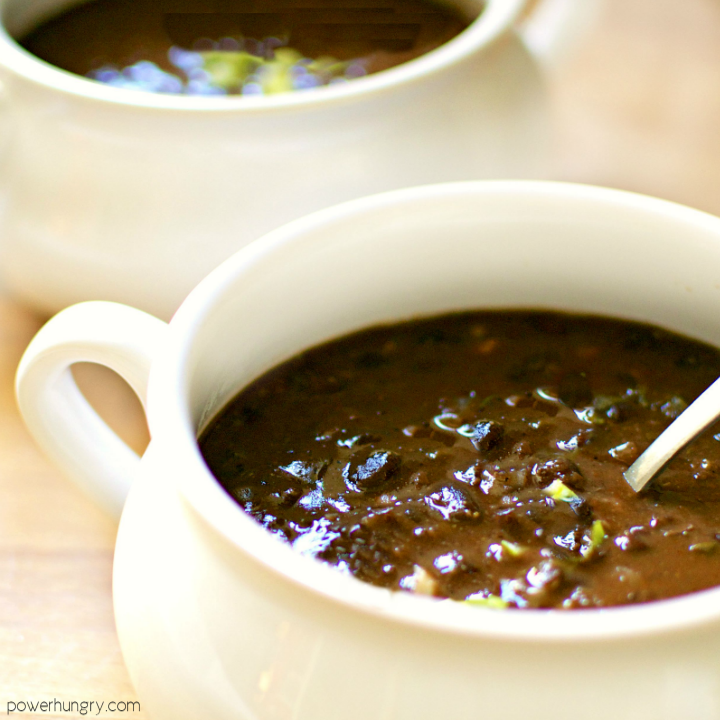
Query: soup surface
{"type": "Point", "coordinates": [479, 457]}
{"type": "Point", "coordinates": [251, 47]}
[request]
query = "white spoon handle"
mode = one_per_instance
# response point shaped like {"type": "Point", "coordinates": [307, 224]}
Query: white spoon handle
{"type": "Point", "coordinates": [689, 424]}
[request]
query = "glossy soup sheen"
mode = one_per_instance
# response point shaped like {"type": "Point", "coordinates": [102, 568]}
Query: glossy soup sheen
{"type": "Point", "coordinates": [240, 46]}
{"type": "Point", "coordinates": [479, 456]}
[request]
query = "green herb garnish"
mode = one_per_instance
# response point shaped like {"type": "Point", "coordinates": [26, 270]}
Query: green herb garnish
{"type": "Point", "coordinates": [513, 549]}
{"type": "Point", "coordinates": [558, 490]}
{"type": "Point", "coordinates": [597, 536]}
{"type": "Point", "coordinates": [495, 602]}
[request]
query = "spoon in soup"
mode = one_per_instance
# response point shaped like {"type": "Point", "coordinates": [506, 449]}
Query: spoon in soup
{"type": "Point", "coordinates": [682, 431]}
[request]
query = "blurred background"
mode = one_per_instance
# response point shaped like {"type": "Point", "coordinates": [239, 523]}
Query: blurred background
{"type": "Point", "coordinates": [634, 101]}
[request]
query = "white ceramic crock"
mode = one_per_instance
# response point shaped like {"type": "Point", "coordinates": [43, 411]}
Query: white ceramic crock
{"type": "Point", "coordinates": [218, 619]}
{"type": "Point", "coordinates": [134, 197]}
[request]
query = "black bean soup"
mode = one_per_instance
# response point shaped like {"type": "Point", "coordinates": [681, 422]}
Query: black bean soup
{"type": "Point", "coordinates": [479, 457]}
{"type": "Point", "coordinates": [248, 47]}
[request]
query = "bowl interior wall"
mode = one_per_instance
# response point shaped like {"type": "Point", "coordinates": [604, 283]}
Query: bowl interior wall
{"type": "Point", "coordinates": [413, 257]}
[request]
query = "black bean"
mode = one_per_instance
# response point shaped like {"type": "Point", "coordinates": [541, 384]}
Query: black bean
{"type": "Point", "coordinates": [453, 502]}
{"type": "Point", "coordinates": [290, 496]}
{"type": "Point", "coordinates": [546, 577]}
{"type": "Point", "coordinates": [574, 390]}
{"type": "Point", "coordinates": [305, 471]}
{"type": "Point", "coordinates": [626, 453]}
{"type": "Point", "coordinates": [673, 407]}
{"type": "Point", "coordinates": [370, 360]}
{"type": "Point", "coordinates": [539, 365]}
{"type": "Point", "coordinates": [561, 469]}
{"type": "Point", "coordinates": [370, 472]}
{"type": "Point", "coordinates": [484, 434]}
{"type": "Point", "coordinates": [631, 542]}
{"type": "Point", "coordinates": [250, 414]}
{"type": "Point", "coordinates": [621, 411]}
{"type": "Point", "coordinates": [572, 541]}
{"type": "Point", "coordinates": [417, 431]}
{"type": "Point", "coordinates": [522, 448]}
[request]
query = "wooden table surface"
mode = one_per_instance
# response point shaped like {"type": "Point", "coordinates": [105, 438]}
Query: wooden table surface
{"type": "Point", "coordinates": [635, 105]}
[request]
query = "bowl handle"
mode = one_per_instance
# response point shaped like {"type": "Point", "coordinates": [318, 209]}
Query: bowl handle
{"type": "Point", "coordinates": [59, 418]}
{"type": "Point", "coordinates": [550, 28]}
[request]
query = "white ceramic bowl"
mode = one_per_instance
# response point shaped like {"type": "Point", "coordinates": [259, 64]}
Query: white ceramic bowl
{"type": "Point", "coordinates": [218, 619]}
{"type": "Point", "coordinates": [110, 194]}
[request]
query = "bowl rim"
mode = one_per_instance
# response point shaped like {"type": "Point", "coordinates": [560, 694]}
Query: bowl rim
{"type": "Point", "coordinates": [171, 427]}
{"type": "Point", "coordinates": [492, 22]}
